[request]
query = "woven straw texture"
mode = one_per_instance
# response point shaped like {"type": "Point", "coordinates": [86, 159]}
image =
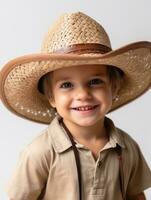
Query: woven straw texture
{"type": "Point", "coordinates": [76, 28]}
{"type": "Point", "coordinates": [19, 77]}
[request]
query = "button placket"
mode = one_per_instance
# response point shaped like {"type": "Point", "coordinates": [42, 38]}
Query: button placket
{"type": "Point", "coordinates": [99, 163]}
{"type": "Point", "coordinates": [88, 168]}
{"type": "Point", "coordinates": [99, 172]}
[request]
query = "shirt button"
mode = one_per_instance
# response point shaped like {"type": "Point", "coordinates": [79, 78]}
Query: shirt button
{"type": "Point", "coordinates": [99, 163]}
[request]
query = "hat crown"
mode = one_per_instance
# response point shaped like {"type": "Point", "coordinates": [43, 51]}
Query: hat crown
{"type": "Point", "coordinates": [74, 28]}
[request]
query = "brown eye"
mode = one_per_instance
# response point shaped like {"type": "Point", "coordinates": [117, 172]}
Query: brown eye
{"type": "Point", "coordinates": [66, 85]}
{"type": "Point", "coordinates": [95, 81]}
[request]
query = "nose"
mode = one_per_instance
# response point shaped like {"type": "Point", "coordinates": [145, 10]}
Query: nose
{"type": "Point", "coordinates": [83, 93]}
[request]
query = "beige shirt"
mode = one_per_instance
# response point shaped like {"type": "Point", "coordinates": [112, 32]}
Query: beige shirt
{"type": "Point", "coordinates": [47, 168]}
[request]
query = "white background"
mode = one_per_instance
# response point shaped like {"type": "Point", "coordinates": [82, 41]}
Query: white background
{"type": "Point", "coordinates": [23, 25]}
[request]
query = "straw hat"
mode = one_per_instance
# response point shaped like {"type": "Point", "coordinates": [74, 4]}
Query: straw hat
{"type": "Point", "coordinates": [75, 39]}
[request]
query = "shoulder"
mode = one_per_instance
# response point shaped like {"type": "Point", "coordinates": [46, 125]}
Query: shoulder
{"type": "Point", "coordinates": [37, 152]}
{"type": "Point", "coordinates": [39, 144]}
{"type": "Point", "coordinates": [135, 167]}
{"type": "Point", "coordinates": [132, 150]}
{"type": "Point", "coordinates": [129, 141]}
{"type": "Point", "coordinates": [43, 145]}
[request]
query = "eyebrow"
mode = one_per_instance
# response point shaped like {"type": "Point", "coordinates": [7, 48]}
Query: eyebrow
{"type": "Point", "coordinates": [66, 78]}
{"type": "Point", "coordinates": [99, 74]}
{"type": "Point", "coordinates": [62, 79]}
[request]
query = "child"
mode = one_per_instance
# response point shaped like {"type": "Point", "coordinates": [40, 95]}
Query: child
{"type": "Point", "coordinates": [72, 85]}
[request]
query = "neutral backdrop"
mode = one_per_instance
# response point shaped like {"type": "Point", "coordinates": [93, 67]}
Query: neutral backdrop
{"type": "Point", "coordinates": [23, 25]}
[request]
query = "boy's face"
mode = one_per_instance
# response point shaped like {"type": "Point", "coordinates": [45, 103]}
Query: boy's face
{"type": "Point", "coordinates": [81, 95]}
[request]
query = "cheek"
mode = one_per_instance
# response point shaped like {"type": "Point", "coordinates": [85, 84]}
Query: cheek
{"type": "Point", "coordinates": [61, 100]}
{"type": "Point", "coordinates": [109, 96]}
{"type": "Point", "coordinates": [104, 94]}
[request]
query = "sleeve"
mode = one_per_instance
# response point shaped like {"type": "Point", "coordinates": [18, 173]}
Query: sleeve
{"type": "Point", "coordinates": [30, 175]}
{"type": "Point", "coordinates": [140, 178]}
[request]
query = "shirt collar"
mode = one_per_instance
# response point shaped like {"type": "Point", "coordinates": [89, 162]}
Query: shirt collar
{"type": "Point", "coordinates": [61, 142]}
{"type": "Point", "coordinates": [59, 138]}
{"type": "Point", "coordinates": [115, 135]}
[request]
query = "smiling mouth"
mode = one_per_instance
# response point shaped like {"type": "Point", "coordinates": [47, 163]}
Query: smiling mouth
{"type": "Point", "coordinates": [85, 108]}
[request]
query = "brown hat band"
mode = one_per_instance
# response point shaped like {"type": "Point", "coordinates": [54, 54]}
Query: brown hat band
{"type": "Point", "coordinates": [78, 49]}
{"type": "Point", "coordinates": [84, 48]}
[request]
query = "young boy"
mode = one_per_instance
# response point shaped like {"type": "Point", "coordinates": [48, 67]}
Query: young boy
{"type": "Point", "coordinates": [72, 85]}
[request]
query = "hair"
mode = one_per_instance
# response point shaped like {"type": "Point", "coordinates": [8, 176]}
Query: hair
{"type": "Point", "coordinates": [44, 85]}
{"type": "Point", "coordinates": [115, 77]}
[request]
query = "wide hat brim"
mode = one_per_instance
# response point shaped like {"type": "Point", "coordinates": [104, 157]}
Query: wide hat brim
{"type": "Point", "coordinates": [19, 78]}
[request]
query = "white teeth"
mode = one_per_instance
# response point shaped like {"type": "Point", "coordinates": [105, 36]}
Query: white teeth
{"type": "Point", "coordinates": [85, 108]}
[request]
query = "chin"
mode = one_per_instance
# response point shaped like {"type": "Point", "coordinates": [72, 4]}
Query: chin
{"type": "Point", "coordinates": [87, 123]}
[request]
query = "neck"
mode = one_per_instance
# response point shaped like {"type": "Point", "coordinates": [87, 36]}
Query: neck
{"type": "Point", "coordinates": [90, 133]}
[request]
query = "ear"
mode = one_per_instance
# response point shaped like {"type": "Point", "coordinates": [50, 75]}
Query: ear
{"type": "Point", "coordinates": [115, 88]}
{"type": "Point", "coordinates": [52, 102]}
